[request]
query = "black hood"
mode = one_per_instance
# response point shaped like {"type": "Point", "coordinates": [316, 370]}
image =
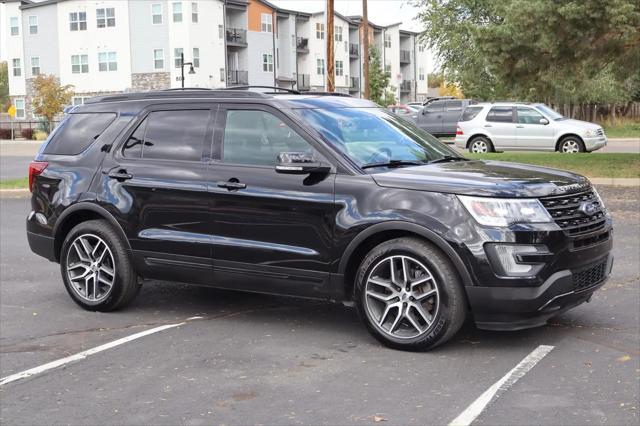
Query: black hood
{"type": "Point", "coordinates": [484, 178]}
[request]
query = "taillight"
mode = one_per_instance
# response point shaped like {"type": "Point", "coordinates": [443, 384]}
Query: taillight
{"type": "Point", "coordinates": [35, 168]}
{"type": "Point", "coordinates": [459, 131]}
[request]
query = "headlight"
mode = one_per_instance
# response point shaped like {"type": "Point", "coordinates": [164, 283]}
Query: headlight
{"type": "Point", "coordinates": [591, 133]}
{"type": "Point", "coordinates": [505, 211]}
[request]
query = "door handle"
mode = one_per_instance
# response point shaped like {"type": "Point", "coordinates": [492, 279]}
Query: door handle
{"type": "Point", "coordinates": [120, 175]}
{"type": "Point", "coordinates": [520, 127]}
{"type": "Point", "coordinates": [231, 185]}
{"type": "Point", "coordinates": [488, 125]}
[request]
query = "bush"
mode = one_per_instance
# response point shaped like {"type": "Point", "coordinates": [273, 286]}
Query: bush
{"type": "Point", "coordinates": [5, 133]}
{"type": "Point", "coordinates": [27, 133]}
{"type": "Point", "coordinates": [39, 135]}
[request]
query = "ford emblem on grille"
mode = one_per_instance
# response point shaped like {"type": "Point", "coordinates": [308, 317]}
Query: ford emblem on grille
{"type": "Point", "coordinates": [589, 208]}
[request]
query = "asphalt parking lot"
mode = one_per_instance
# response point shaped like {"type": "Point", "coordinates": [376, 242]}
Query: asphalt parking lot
{"type": "Point", "coordinates": [254, 359]}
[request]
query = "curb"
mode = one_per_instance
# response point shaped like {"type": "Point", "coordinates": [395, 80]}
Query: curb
{"type": "Point", "coordinates": [15, 193]}
{"type": "Point", "coordinates": [616, 181]}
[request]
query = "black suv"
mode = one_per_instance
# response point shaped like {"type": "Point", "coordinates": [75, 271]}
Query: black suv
{"type": "Point", "coordinates": [316, 196]}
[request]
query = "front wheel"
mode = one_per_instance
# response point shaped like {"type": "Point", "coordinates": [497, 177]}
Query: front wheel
{"type": "Point", "coordinates": [571, 145]}
{"type": "Point", "coordinates": [409, 295]}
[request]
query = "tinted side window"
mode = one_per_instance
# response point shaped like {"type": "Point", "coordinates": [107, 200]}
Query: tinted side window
{"type": "Point", "coordinates": [470, 113]}
{"type": "Point", "coordinates": [77, 132]}
{"type": "Point", "coordinates": [257, 137]}
{"type": "Point", "coordinates": [501, 114]}
{"type": "Point", "coordinates": [170, 135]}
{"type": "Point", "coordinates": [436, 106]}
{"type": "Point", "coordinates": [454, 105]}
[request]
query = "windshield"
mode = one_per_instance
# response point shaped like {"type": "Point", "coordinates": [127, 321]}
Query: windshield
{"type": "Point", "coordinates": [373, 135]}
{"type": "Point", "coordinates": [549, 112]}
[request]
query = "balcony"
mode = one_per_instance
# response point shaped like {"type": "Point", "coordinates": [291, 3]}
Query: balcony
{"type": "Point", "coordinates": [354, 84]}
{"type": "Point", "coordinates": [237, 78]}
{"type": "Point", "coordinates": [304, 82]}
{"type": "Point", "coordinates": [405, 86]}
{"type": "Point", "coordinates": [236, 37]}
{"type": "Point", "coordinates": [354, 50]}
{"type": "Point", "coordinates": [405, 56]}
{"type": "Point", "coordinates": [302, 45]}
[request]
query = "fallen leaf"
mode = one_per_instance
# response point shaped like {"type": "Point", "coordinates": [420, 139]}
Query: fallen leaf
{"type": "Point", "coordinates": [379, 419]}
{"type": "Point", "coordinates": [624, 358]}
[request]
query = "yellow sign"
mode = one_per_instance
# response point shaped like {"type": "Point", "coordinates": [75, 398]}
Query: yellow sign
{"type": "Point", "coordinates": [12, 111]}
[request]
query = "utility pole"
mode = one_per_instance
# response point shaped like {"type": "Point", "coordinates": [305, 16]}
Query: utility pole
{"type": "Point", "coordinates": [364, 55]}
{"type": "Point", "coordinates": [331, 82]}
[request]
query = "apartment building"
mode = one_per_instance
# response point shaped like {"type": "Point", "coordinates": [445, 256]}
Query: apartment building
{"type": "Point", "coordinates": [110, 46]}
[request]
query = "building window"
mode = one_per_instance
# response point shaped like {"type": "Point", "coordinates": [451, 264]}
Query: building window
{"type": "Point", "coordinates": [79, 64]}
{"type": "Point", "coordinates": [267, 62]}
{"type": "Point", "coordinates": [339, 68]}
{"type": "Point", "coordinates": [158, 59]}
{"type": "Point", "coordinates": [156, 13]}
{"type": "Point", "coordinates": [387, 40]}
{"type": "Point", "coordinates": [35, 66]}
{"type": "Point", "coordinates": [194, 12]}
{"type": "Point", "coordinates": [78, 100]}
{"type": "Point", "coordinates": [387, 68]}
{"type": "Point", "coordinates": [33, 25]}
{"type": "Point", "coordinates": [107, 61]}
{"type": "Point", "coordinates": [78, 21]}
{"type": "Point", "coordinates": [13, 23]}
{"type": "Point", "coordinates": [221, 31]}
{"type": "Point", "coordinates": [177, 12]}
{"type": "Point", "coordinates": [196, 57]}
{"type": "Point", "coordinates": [19, 104]}
{"type": "Point", "coordinates": [17, 70]}
{"type": "Point", "coordinates": [421, 74]}
{"type": "Point", "coordinates": [338, 33]}
{"type": "Point", "coordinates": [106, 17]}
{"type": "Point", "coordinates": [319, 31]}
{"type": "Point", "coordinates": [320, 66]}
{"type": "Point", "coordinates": [420, 48]}
{"type": "Point", "coordinates": [177, 58]}
{"type": "Point", "coordinates": [266, 20]}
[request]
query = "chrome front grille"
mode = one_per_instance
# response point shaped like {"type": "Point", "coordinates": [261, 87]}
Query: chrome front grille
{"type": "Point", "coordinates": [577, 213]}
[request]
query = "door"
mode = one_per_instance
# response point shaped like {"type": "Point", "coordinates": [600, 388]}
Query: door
{"type": "Point", "coordinates": [272, 232]}
{"type": "Point", "coordinates": [159, 180]}
{"type": "Point", "coordinates": [501, 127]}
{"type": "Point", "coordinates": [451, 116]}
{"type": "Point", "coordinates": [430, 118]}
{"type": "Point", "coordinates": [532, 133]}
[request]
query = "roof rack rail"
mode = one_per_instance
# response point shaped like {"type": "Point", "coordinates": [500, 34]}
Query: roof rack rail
{"type": "Point", "coordinates": [178, 89]}
{"type": "Point", "coordinates": [320, 93]}
{"type": "Point", "coordinates": [295, 92]}
{"type": "Point", "coordinates": [186, 93]}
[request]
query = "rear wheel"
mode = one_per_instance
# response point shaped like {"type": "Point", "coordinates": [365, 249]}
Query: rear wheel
{"type": "Point", "coordinates": [571, 145]}
{"type": "Point", "coordinates": [480, 145]}
{"type": "Point", "coordinates": [96, 268]}
{"type": "Point", "coordinates": [409, 295]}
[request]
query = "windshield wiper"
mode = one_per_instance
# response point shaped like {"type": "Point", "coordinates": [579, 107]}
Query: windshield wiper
{"type": "Point", "coordinates": [448, 158]}
{"type": "Point", "coordinates": [392, 163]}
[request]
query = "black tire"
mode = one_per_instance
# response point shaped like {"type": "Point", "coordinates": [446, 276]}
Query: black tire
{"type": "Point", "coordinates": [480, 141]}
{"type": "Point", "coordinates": [125, 285]}
{"type": "Point", "coordinates": [452, 308]}
{"type": "Point", "coordinates": [571, 144]}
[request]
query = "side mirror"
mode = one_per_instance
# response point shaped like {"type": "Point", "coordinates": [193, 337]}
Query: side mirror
{"type": "Point", "coordinates": [544, 121]}
{"type": "Point", "coordinates": [300, 163]}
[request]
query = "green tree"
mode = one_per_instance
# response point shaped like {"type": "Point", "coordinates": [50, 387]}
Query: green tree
{"type": "Point", "coordinates": [435, 80]}
{"type": "Point", "coordinates": [4, 87]}
{"type": "Point", "coordinates": [50, 97]}
{"type": "Point", "coordinates": [380, 91]}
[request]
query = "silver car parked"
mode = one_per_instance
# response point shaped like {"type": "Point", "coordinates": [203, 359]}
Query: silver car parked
{"type": "Point", "coordinates": [506, 126]}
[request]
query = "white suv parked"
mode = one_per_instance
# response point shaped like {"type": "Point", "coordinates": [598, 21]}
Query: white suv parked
{"type": "Point", "coordinates": [504, 126]}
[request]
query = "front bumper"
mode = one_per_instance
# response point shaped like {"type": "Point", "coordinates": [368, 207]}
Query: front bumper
{"type": "Point", "coordinates": [515, 308]}
{"type": "Point", "coordinates": [593, 144]}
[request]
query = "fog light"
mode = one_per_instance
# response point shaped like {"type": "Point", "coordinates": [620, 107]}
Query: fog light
{"type": "Point", "coordinates": [517, 260]}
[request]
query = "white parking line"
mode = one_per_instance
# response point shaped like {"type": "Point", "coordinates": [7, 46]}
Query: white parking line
{"type": "Point", "coordinates": [84, 354]}
{"type": "Point", "coordinates": [475, 409]}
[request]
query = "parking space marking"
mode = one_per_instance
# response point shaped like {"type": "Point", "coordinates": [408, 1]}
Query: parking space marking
{"type": "Point", "coordinates": [84, 354]}
{"type": "Point", "coordinates": [477, 407]}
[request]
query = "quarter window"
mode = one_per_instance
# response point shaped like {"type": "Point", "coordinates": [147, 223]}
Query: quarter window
{"type": "Point", "coordinates": [319, 31]}
{"type": "Point", "coordinates": [158, 59]}
{"type": "Point", "coordinates": [257, 138]}
{"type": "Point", "coordinates": [35, 66]}
{"type": "Point", "coordinates": [107, 61]}
{"type": "Point", "coordinates": [177, 12]}
{"type": "Point", "coordinates": [77, 132]}
{"type": "Point", "coordinates": [78, 21]}
{"type": "Point", "coordinates": [470, 113]}
{"type": "Point", "coordinates": [194, 13]}
{"type": "Point", "coordinates": [156, 13]}
{"type": "Point", "coordinates": [529, 116]}
{"type": "Point", "coordinates": [13, 23]}
{"type": "Point", "coordinates": [17, 68]}
{"type": "Point", "coordinates": [170, 135]}
{"type": "Point", "coordinates": [500, 114]}
{"type": "Point", "coordinates": [267, 62]}
{"type": "Point", "coordinates": [33, 25]}
{"type": "Point", "coordinates": [106, 17]}
{"type": "Point", "coordinates": [266, 21]}
{"type": "Point", "coordinates": [79, 64]}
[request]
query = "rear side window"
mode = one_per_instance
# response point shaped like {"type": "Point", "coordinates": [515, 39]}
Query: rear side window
{"type": "Point", "coordinates": [470, 113]}
{"type": "Point", "coordinates": [435, 106]}
{"type": "Point", "coordinates": [78, 131]}
{"type": "Point", "coordinates": [170, 135]}
{"type": "Point", "coordinates": [500, 114]}
{"type": "Point", "coordinates": [454, 105]}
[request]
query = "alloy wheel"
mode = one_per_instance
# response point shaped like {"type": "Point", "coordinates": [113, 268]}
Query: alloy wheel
{"type": "Point", "coordinates": [479, 146]}
{"type": "Point", "coordinates": [90, 268]}
{"type": "Point", "coordinates": [570, 147]}
{"type": "Point", "coordinates": [402, 297]}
